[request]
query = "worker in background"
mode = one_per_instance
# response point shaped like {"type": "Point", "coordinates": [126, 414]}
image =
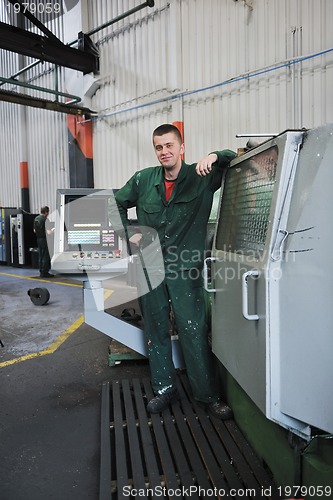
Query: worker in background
{"type": "Point", "coordinates": [41, 231]}
{"type": "Point", "coordinates": [175, 199]}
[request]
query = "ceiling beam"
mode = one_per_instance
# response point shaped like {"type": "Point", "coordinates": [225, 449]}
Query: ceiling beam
{"type": "Point", "coordinates": [40, 47]}
{"type": "Point", "coordinates": [35, 102]}
{"type": "Point", "coordinates": [25, 12]}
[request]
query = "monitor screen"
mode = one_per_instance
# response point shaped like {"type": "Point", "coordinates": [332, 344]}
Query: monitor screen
{"type": "Point", "coordinates": [86, 211]}
{"type": "Point", "coordinates": [86, 223]}
{"type": "Point", "coordinates": [84, 237]}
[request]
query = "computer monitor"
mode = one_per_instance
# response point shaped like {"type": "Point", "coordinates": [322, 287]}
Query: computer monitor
{"type": "Point", "coordinates": [86, 223]}
{"type": "Point", "coordinates": [85, 239]}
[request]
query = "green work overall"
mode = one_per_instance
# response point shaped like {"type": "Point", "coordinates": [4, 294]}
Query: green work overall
{"type": "Point", "coordinates": [181, 225]}
{"type": "Point", "coordinates": [44, 256]}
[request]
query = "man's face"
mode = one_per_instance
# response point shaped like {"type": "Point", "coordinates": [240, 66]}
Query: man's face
{"type": "Point", "coordinates": [168, 150]}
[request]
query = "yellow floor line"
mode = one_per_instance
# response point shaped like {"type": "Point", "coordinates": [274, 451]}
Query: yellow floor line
{"type": "Point", "coordinates": [52, 348]}
{"type": "Point", "coordinates": [43, 280]}
{"type": "Point", "coordinates": [57, 343]}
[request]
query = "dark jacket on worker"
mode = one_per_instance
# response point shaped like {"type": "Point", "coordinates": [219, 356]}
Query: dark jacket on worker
{"type": "Point", "coordinates": [39, 226]}
{"type": "Point", "coordinates": [181, 223]}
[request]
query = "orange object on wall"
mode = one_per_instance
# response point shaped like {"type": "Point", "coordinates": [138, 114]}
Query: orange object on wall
{"type": "Point", "coordinates": [24, 174]}
{"type": "Point", "coordinates": [82, 133]}
{"type": "Point", "coordinates": [80, 150]}
{"type": "Point", "coordinates": [180, 126]}
{"type": "Point", "coordinates": [24, 181]}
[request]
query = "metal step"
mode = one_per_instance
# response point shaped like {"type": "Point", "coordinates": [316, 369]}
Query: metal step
{"type": "Point", "coordinates": [181, 453]}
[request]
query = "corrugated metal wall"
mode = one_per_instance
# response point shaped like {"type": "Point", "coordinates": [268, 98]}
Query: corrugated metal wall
{"type": "Point", "coordinates": [30, 134]}
{"type": "Point", "coordinates": [10, 156]}
{"type": "Point", "coordinates": [134, 72]}
{"type": "Point", "coordinates": [46, 131]}
{"type": "Point", "coordinates": [221, 66]}
{"type": "Point", "coordinates": [185, 46]}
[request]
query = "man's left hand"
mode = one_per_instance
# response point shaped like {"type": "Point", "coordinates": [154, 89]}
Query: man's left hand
{"type": "Point", "coordinates": [204, 166]}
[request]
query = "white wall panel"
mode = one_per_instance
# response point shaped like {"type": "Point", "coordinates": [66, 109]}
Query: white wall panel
{"type": "Point", "coordinates": [185, 46]}
{"type": "Point", "coordinates": [136, 71]}
{"type": "Point", "coordinates": [33, 135]}
{"type": "Point", "coordinates": [48, 156]}
{"type": "Point", "coordinates": [9, 155]}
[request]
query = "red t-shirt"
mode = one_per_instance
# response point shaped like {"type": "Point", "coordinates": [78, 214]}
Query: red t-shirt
{"type": "Point", "coordinates": [169, 185]}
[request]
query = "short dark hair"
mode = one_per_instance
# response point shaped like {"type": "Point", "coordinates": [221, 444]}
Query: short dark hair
{"type": "Point", "coordinates": [44, 210]}
{"type": "Point", "coordinates": [166, 128]}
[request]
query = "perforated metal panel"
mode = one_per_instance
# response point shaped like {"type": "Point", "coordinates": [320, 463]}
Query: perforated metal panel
{"type": "Point", "coordinates": [246, 204]}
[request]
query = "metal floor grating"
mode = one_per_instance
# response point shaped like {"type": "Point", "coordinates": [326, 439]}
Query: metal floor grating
{"type": "Point", "coordinates": [181, 453]}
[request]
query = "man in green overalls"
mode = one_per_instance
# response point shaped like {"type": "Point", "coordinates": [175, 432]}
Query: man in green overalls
{"type": "Point", "coordinates": [175, 199]}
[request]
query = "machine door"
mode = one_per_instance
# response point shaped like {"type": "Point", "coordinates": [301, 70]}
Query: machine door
{"type": "Point", "coordinates": [247, 243]}
{"type": "Point", "coordinates": [238, 271]}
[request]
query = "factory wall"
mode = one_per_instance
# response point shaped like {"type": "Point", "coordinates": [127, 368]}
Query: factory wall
{"type": "Point", "coordinates": [222, 67]}
{"type": "Point", "coordinates": [28, 134]}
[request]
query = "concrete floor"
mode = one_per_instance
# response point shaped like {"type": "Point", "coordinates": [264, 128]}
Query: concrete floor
{"type": "Point", "coordinates": [52, 367]}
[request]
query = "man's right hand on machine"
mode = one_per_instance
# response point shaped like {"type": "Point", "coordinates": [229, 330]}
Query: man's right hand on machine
{"type": "Point", "coordinates": [136, 239]}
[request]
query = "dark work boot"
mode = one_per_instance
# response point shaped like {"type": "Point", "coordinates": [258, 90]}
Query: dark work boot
{"type": "Point", "coordinates": [161, 401]}
{"type": "Point", "coordinates": [220, 410]}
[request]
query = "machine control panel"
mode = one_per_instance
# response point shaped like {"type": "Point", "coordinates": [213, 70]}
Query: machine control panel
{"type": "Point", "coordinates": [96, 255]}
{"type": "Point", "coordinates": [84, 236]}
